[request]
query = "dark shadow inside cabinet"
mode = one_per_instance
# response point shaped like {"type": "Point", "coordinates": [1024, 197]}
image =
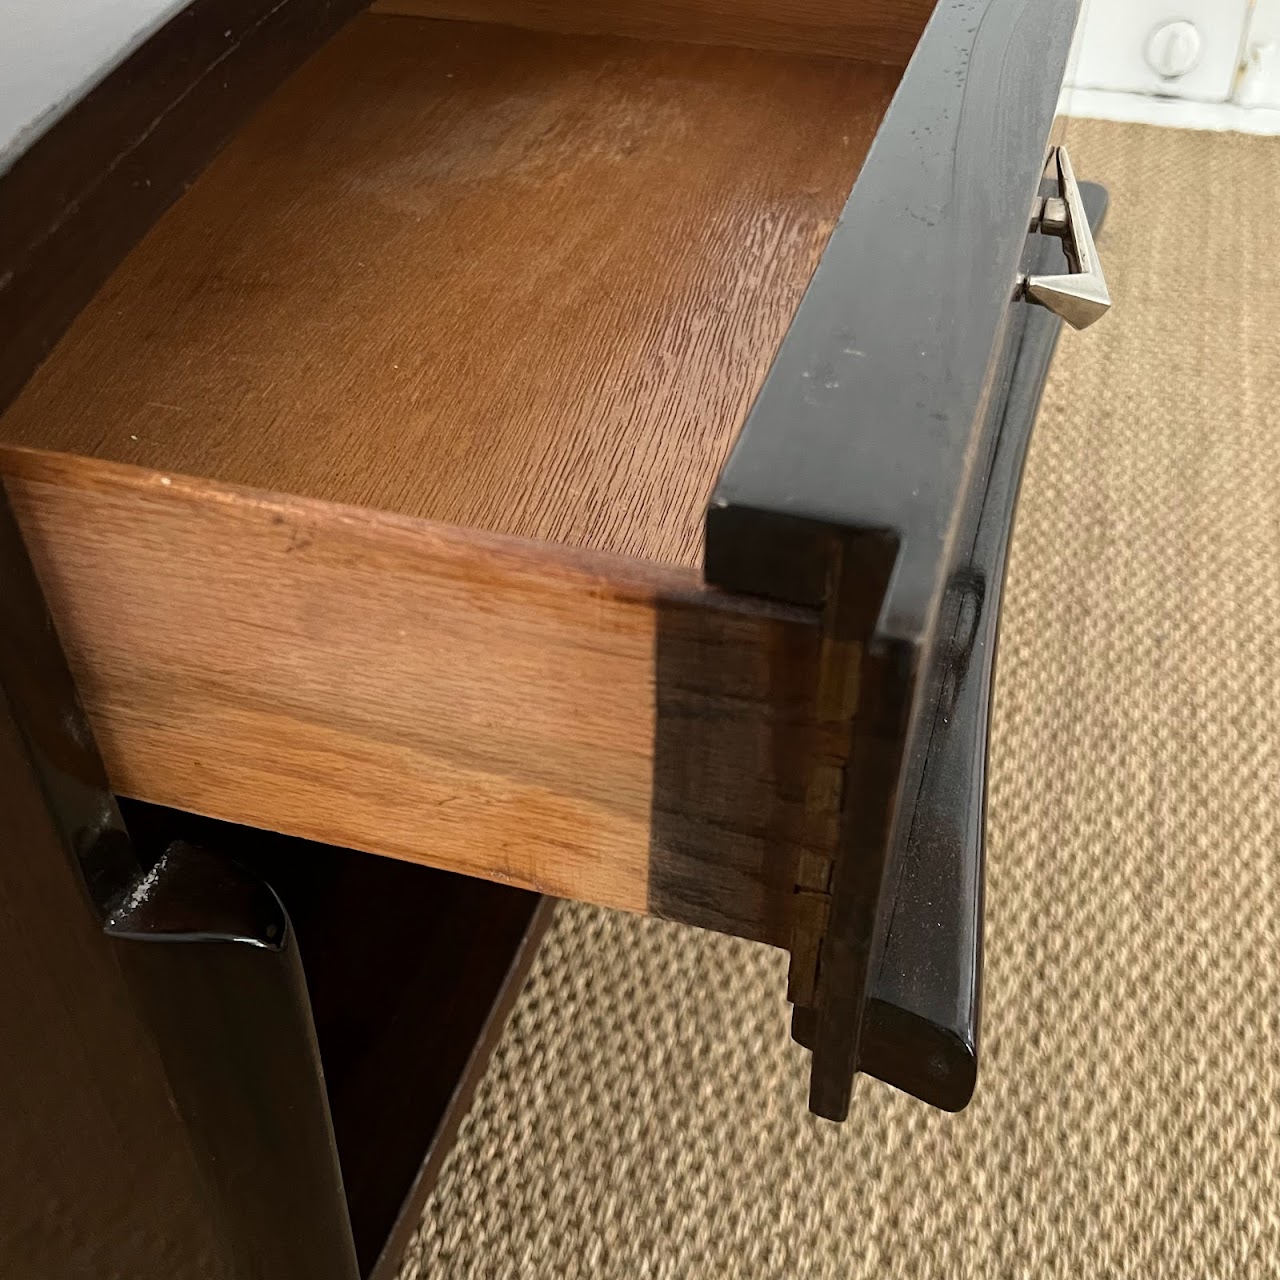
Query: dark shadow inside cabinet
{"type": "Point", "coordinates": [411, 973]}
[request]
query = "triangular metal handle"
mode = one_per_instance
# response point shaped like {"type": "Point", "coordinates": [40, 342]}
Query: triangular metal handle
{"type": "Point", "coordinates": [1080, 297]}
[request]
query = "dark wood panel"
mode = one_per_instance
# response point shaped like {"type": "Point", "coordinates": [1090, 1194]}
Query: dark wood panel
{"type": "Point", "coordinates": [877, 30]}
{"type": "Point", "coordinates": [213, 965]}
{"type": "Point", "coordinates": [852, 473]}
{"type": "Point", "coordinates": [411, 974]}
{"type": "Point", "coordinates": [505, 279]}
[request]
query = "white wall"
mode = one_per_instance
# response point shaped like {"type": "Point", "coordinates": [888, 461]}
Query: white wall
{"type": "Point", "coordinates": [1207, 64]}
{"type": "Point", "coordinates": [52, 52]}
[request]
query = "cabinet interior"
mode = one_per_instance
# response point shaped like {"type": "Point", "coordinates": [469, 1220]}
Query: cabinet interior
{"type": "Point", "coordinates": [410, 973]}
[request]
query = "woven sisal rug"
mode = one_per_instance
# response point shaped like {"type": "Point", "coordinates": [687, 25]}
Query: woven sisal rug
{"type": "Point", "coordinates": [644, 1115]}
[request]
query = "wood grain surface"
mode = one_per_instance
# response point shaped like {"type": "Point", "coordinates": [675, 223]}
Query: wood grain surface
{"type": "Point", "coordinates": [474, 702]}
{"type": "Point", "coordinates": [507, 279]}
{"type": "Point", "coordinates": [878, 30]}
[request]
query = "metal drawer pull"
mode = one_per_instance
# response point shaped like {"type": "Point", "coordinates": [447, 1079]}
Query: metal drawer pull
{"type": "Point", "coordinates": [1081, 296]}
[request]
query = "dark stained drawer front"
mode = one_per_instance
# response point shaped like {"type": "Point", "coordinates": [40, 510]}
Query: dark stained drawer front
{"type": "Point", "coordinates": [875, 479]}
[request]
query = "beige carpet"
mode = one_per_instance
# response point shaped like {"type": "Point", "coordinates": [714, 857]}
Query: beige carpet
{"type": "Point", "coordinates": [645, 1113]}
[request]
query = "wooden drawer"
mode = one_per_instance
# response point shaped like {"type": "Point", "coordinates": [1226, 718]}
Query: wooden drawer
{"type": "Point", "coordinates": [551, 442]}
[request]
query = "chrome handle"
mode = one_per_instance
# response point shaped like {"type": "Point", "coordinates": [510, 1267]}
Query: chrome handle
{"type": "Point", "coordinates": [1079, 297]}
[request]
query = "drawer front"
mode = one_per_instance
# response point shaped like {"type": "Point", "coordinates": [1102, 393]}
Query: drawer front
{"type": "Point", "coordinates": [869, 442]}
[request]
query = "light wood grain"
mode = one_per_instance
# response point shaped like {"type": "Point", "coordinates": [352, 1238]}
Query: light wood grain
{"type": "Point", "coordinates": [878, 30]}
{"type": "Point", "coordinates": [474, 702]}
{"type": "Point", "coordinates": [524, 282]}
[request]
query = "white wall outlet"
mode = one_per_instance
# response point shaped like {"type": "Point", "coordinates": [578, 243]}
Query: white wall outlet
{"type": "Point", "coordinates": [1168, 48]}
{"type": "Point", "coordinates": [1260, 78]}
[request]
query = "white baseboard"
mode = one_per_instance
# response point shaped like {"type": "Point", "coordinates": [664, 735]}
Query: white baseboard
{"type": "Point", "coordinates": [1233, 84]}
{"type": "Point", "coordinates": [1175, 113]}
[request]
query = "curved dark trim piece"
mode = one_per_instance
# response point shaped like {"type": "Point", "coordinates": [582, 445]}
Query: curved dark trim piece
{"type": "Point", "coordinates": [877, 424]}
{"type": "Point", "coordinates": [919, 1057]}
{"type": "Point", "coordinates": [194, 896]}
{"type": "Point", "coordinates": [923, 1022]}
{"type": "Point", "coordinates": [212, 961]}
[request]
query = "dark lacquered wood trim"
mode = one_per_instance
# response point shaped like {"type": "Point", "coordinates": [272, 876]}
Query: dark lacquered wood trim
{"type": "Point", "coordinates": [213, 965]}
{"type": "Point", "coordinates": [408, 1001]}
{"type": "Point", "coordinates": [83, 194]}
{"type": "Point", "coordinates": [923, 1022]}
{"type": "Point", "coordinates": [848, 485]}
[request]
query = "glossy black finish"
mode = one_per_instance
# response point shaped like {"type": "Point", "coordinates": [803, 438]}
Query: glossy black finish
{"type": "Point", "coordinates": [215, 966]}
{"type": "Point", "coordinates": [192, 895]}
{"type": "Point", "coordinates": [923, 1022]}
{"type": "Point", "coordinates": [848, 486]}
{"type": "Point", "coordinates": [411, 972]}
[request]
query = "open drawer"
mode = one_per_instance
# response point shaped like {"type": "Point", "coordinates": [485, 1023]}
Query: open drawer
{"type": "Point", "coordinates": [518, 452]}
